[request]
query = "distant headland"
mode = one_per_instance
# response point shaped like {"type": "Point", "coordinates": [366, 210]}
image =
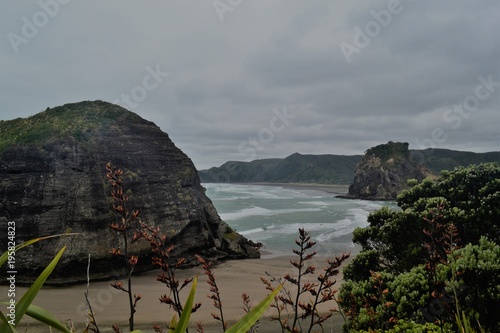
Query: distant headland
{"type": "Point", "coordinates": [381, 174]}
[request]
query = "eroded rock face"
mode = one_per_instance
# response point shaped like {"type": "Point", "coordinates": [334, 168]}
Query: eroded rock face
{"type": "Point", "coordinates": [383, 172]}
{"type": "Point", "coordinates": [53, 181]}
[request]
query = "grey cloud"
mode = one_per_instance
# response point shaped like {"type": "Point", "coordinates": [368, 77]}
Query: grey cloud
{"type": "Point", "coordinates": [226, 77]}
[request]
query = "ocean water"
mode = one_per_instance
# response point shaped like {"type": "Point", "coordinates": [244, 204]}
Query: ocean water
{"type": "Point", "coordinates": [272, 216]}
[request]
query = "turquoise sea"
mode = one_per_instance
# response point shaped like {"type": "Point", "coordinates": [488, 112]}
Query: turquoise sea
{"type": "Point", "coordinates": [272, 215]}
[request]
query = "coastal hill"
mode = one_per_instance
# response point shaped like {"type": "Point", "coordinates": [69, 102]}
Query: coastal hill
{"type": "Point", "coordinates": [53, 181]}
{"type": "Point", "coordinates": [296, 168]}
{"type": "Point", "coordinates": [331, 169]}
{"type": "Point", "coordinates": [384, 170]}
{"type": "Point", "coordinates": [437, 160]}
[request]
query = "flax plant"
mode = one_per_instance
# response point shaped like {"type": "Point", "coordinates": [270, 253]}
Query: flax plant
{"type": "Point", "coordinates": [163, 260]}
{"type": "Point", "coordinates": [321, 291]}
{"type": "Point", "coordinates": [124, 226]}
{"type": "Point", "coordinates": [214, 290]}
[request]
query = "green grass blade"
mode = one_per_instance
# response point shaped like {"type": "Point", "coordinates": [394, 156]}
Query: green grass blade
{"type": "Point", "coordinates": [245, 323]}
{"type": "Point", "coordinates": [29, 296]}
{"type": "Point", "coordinates": [173, 323]}
{"type": "Point", "coordinates": [46, 317]}
{"type": "Point", "coordinates": [6, 327]}
{"type": "Point", "coordinates": [186, 313]}
{"type": "Point", "coordinates": [5, 255]}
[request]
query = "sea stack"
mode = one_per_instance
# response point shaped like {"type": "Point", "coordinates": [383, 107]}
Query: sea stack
{"type": "Point", "coordinates": [383, 172]}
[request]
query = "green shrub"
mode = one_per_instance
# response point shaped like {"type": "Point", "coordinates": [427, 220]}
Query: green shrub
{"type": "Point", "coordinates": [409, 327]}
{"type": "Point", "coordinates": [410, 251]}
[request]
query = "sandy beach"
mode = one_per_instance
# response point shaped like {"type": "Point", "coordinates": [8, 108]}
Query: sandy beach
{"type": "Point", "coordinates": [233, 278]}
{"type": "Point", "coordinates": [111, 306]}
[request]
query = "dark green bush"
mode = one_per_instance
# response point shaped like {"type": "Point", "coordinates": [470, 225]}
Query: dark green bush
{"type": "Point", "coordinates": [416, 254]}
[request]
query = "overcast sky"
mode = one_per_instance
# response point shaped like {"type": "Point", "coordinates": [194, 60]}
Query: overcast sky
{"type": "Point", "coordinates": [242, 80]}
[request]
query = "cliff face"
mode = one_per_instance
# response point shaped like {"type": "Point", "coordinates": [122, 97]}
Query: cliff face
{"type": "Point", "coordinates": [52, 169]}
{"type": "Point", "coordinates": [383, 172]}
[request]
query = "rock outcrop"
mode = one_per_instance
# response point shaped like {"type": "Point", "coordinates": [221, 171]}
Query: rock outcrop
{"type": "Point", "coordinates": [383, 172]}
{"type": "Point", "coordinates": [52, 169]}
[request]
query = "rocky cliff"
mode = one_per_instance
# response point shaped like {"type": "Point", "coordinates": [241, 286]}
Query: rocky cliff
{"type": "Point", "coordinates": [52, 169]}
{"type": "Point", "coordinates": [383, 172]}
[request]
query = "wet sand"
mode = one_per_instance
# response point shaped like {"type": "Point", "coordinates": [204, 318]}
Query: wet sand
{"type": "Point", "coordinates": [111, 306]}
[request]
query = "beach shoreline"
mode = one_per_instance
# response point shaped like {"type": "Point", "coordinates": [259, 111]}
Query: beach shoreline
{"type": "Point", "coordinates": [337, 189]}
{"type": "Point", "coordinates": [111, 306]}
{"type": "Point", "coordinates": [233, 278]}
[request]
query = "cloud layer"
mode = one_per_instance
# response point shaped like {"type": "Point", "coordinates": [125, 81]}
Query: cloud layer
{"type": "Point", "coordinates": [216, 75]}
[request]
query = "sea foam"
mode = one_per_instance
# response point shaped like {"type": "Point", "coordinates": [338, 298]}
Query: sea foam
{"type": "Point", "coordinates": [260, 211]}
{"type": "Point", "coordinates": [273, 215]}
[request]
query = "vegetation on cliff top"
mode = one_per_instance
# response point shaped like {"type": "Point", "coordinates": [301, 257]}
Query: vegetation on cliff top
{"type": "Point", "coordinates": [389, 150]}
{"type": "Point", "coordinates": [77, 120]}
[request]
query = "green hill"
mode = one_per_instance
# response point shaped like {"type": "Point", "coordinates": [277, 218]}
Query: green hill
{"type": "Point", "coordinates": [437, 160]}
{"type": "Point", "coordinates": [324, 169]}
{"type": "Point", "coordinates": [239, 172]}
{"type": "Point", "coordinates": [332, 169]}
{"type": "Point", "coordinates": [296, 168]}
{"type": "Point", "coordinates": [80, 121]}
